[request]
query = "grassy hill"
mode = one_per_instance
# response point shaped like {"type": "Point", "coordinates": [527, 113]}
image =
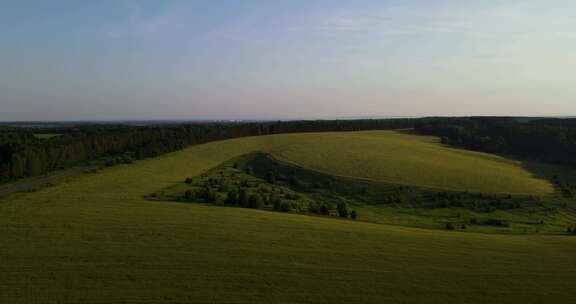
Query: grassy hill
{"type": "Point", "coordinates": [410, 159]}
{"type": "Point", "coordinates": [96, 239]}
{"type": "Point", "coordinates": [270, 184]}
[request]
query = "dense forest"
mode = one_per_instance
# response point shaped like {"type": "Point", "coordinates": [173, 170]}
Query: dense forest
{"type": "Point", "coordinates": [25, 154]}
{"type": "Point", "coordinates": [551, 140]}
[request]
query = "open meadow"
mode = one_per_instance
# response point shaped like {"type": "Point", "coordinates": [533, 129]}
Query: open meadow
{"type": "Point", "coordinates": [412, 160]}
{"type": "Point", "coordinates": [95, 239]}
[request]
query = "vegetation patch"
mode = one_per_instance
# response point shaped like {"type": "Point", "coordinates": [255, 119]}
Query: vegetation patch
{"type": "Point", "coordinates": [260, 181]}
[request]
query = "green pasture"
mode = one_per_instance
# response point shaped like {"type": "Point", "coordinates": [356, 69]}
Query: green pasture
{"type": "Point", "coordinates": [95, 239]}
{"type": "Point", "coordinates": [412, 160]}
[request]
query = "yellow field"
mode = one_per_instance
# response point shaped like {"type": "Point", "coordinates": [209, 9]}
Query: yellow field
{"type": "Point", "coordinates": [96, 240]}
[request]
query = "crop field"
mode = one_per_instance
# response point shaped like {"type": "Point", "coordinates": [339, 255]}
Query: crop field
{"type": "Point", "coordinates": [412, 160]}
{"type": "Point", "coordinates": [95, 238]}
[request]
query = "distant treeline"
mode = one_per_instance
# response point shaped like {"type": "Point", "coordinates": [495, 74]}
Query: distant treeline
{"type": "Point", "coordinates": [551, 140]}
{"type": "Point", "coordinates": [22, 154]}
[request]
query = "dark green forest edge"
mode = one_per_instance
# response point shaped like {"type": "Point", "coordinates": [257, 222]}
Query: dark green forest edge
{"type": "Point", "coordinates": [546, 140]}
{"type": "Point", "coordinates": [261, 182]}
{"type": "Point", "coordinates": [33, 151]}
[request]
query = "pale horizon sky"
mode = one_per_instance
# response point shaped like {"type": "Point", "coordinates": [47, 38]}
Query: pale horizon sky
{"type": "Point", "coordinates": [242, 59]}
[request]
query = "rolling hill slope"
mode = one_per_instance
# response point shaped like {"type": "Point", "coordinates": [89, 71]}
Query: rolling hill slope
{"type": "Point", "coordinates": [408, 159]}
{"type": "Point", "coordinates": [95, 239]}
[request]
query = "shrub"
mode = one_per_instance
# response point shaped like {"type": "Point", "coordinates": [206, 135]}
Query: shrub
{"type": "Point", "coordinates": [293, 181]}
{"type": "Point", "coordinates": [353, 214]}
{"type": "Point", "coordinates": [271, 177]}
{"type": "Point", "coordinates": [272, 199]}
{"type": "Point", "coordinates": [450, 226]}
{"type": "Point", "coordinates": [285, 207]}
{"type": "Point", "coordinates": [255, 201]}
{"type": "Point", "coordinates": [324, 210]}
{"type": "Point", "coordinates": [209, 195]}
{"type": "Point", "coordinates": [314, 207]}
{"type": "Point", "coordinates": [231, 198]}
{"type": "Point", "coordinates": [342, 210]}
{"type": "Point", "coordinates": [292, 196]}
{"type": "Point", "coordinates": [243, 198]}
{"type": "Point", "coordinates": [276, 202]}
{"type": "Point", "coordinates": [496, 222]}
{"type": "Point", "coordinates": [188, 194]}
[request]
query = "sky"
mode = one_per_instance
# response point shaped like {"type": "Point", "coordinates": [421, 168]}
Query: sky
{"type": "Point", "coordinates": [257, 59]}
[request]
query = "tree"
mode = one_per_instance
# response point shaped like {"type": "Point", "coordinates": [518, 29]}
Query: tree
{"type": "Point", "coordinates": [209, 195]}
{"type": "Point", "coordinates": [324, 210]}
{"type": "Point", "coordinates": [353, 214]}
{"type": "Point", "coordinates": [17, 166]}
{"type": "Point", "coordinates": [243, 198]}
{"type": "Point", "coordinates": [314, 207]}
{"type": "Point", "coordinates": [285, 207]}
{"type": "Point", "coordinates": [342, 210]}
{"type": "Point", "coordinates": [271, 178]}
{"type": "Point", "coordinates": [188, 194]}
{"type": "Point", "coordinates": [276, 202]}
{"type": "Point", "coordinates": [231, 198]}
{"type": "Point", "coordinates": [293, 181]}
{"type": "Point", "coordinates": [255, 201]}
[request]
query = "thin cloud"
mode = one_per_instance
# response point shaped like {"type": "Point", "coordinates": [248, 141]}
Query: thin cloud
{"type": "Point", "coordinates": [136, 23]}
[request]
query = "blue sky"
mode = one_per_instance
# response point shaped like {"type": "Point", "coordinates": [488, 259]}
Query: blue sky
{"type": "Point", "coordinates": [285, 59]}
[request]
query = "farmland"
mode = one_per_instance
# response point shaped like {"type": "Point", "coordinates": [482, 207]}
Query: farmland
{"type": "Point", "coordinates": [95, 238]}
{"type": "Point", "coordinates": [414, 160]}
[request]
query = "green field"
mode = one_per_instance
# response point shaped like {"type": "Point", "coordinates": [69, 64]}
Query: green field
{"type": "Point", "coordinates": [280, 186]}
{"type": "Point", "coordinates": [95, 239]}
{"type": "Point", "coordinates": [413, 160]}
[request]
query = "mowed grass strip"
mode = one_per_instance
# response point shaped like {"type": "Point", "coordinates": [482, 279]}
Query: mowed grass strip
{"type": "Point", "coordinates": [95, 240]}
{"type": "Point", "coordinates": [412, 160]}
